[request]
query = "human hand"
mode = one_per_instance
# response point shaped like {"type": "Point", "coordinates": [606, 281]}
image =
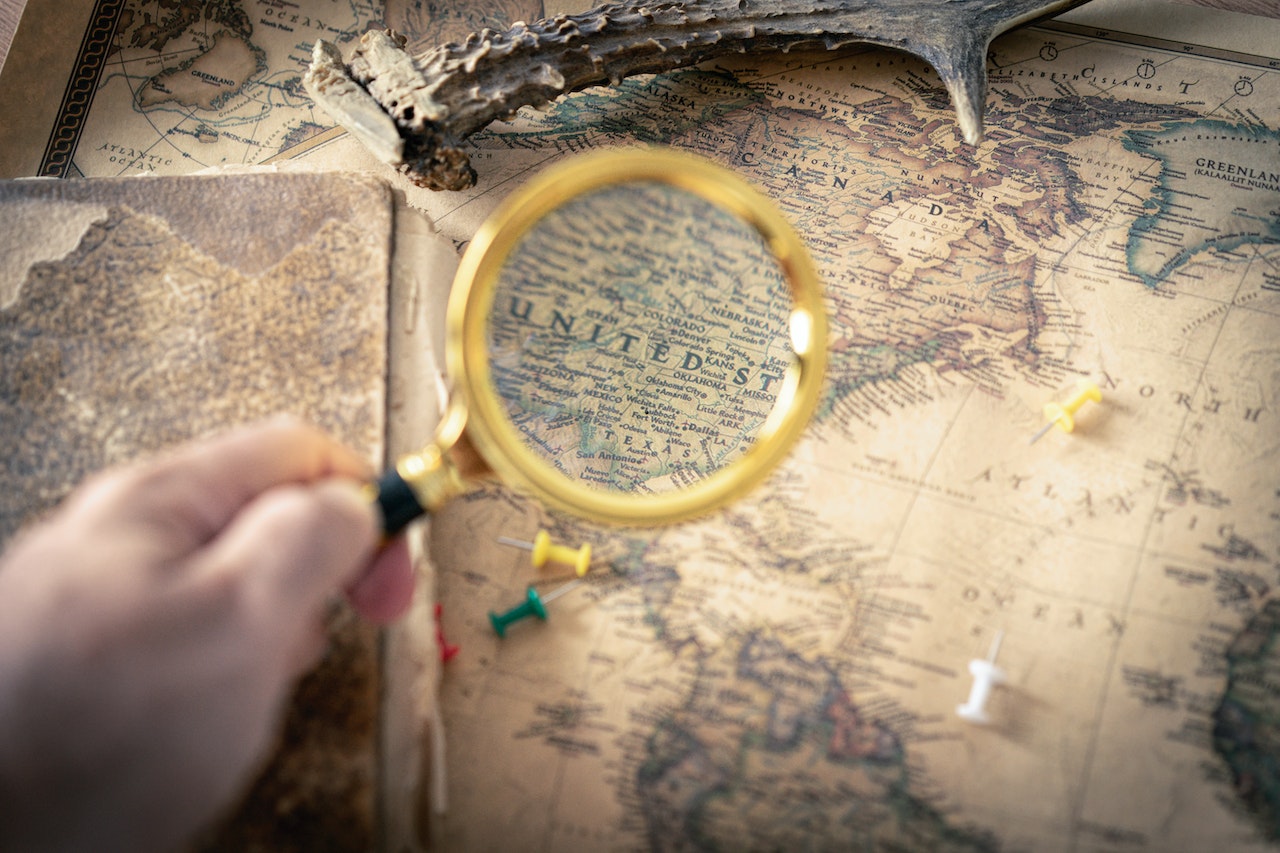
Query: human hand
{"type": "Point", "coordinates": [152, 628]}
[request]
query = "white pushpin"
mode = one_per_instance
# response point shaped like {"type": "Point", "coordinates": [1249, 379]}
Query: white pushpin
{"type": "Point", "coordinates": [986, 675]}
{"type": "Point", "coordinates": [545, 552]}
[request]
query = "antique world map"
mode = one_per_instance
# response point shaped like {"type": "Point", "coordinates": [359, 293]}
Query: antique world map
{"type": "Point", "coordinates": [785, 674]}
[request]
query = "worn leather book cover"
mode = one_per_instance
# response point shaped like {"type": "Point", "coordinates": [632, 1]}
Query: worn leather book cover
{"type": "Point", "coordinates": [136, 313]}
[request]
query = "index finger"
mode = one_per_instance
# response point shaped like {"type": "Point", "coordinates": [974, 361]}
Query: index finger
{"type": "Point", "coordinates": [189, 494]}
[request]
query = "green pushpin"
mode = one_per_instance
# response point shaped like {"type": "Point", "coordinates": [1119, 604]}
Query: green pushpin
{"type": "Point", "coordinates": [533, 605]}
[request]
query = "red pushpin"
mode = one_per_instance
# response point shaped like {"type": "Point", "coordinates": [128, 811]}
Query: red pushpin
{"type": "Point", "coordinates": [447, 650]}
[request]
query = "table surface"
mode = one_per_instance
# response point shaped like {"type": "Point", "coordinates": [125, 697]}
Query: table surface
{"type": "Point", "coordinates": [11, 11]}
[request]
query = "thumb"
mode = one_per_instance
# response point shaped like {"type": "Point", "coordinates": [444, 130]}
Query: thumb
{"type": "Point", "coordinates": [292, 547]}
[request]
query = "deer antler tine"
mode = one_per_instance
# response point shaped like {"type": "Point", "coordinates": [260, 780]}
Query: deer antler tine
{"type": "Point", "coordinates": [431, 102]}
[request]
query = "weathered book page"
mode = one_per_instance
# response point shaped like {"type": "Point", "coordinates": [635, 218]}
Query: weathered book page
{"type": "Point", "coordinates": [139, 313]}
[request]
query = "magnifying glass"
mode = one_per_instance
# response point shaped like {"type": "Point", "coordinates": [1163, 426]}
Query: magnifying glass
{"type": "Point", "coordinates": [636, 337]}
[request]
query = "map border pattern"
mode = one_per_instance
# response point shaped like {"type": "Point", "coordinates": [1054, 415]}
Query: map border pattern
{"type": "Point", "coordinates": [83, 83]}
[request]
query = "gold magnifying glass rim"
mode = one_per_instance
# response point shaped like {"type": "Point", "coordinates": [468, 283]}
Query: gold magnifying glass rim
{"type": "Point", "coordinates": [490, 429]}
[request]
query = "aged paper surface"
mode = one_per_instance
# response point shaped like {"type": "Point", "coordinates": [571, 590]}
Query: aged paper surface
{"type": "Point", "coordinates": [786, 674]}
{"type": "Point", "coordinates": [138, 313]}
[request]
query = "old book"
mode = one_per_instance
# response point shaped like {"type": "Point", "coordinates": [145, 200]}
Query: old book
{"type": "Point", "coordinates": [136, 313]}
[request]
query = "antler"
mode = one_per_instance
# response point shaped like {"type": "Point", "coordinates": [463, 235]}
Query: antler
{"type": "Point", "coordinates": [413, 112]}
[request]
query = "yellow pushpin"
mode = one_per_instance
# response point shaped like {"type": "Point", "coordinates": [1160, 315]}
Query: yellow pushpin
{"type": "Point", "coordinates": [1062, 414]}
{"type": "Point", "coordinates": [544, 552]}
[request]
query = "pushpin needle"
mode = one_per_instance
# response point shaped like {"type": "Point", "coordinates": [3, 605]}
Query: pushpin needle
{"type": "Point", "coordinates": [544, 552]}
{"type": "Point", "coordinates": [533, 605]}
{"type": "Point", "coordinates": [1062, 414]}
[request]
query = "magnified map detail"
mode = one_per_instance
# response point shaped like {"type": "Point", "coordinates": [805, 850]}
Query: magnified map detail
{"type": "Point", "coordinates": [619, 352]}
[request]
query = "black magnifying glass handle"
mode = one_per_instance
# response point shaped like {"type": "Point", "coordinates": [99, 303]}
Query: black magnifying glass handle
{"type": "Point", "coordinates": [417, 484]}
{"type": "Point", "coordinates": [397, 502]}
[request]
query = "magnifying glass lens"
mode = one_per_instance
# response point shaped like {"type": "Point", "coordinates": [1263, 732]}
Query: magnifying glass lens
{"type": "Point", "coordinates": [638, 337]}
{"type": "Point", "coordinates": [635, 336]}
